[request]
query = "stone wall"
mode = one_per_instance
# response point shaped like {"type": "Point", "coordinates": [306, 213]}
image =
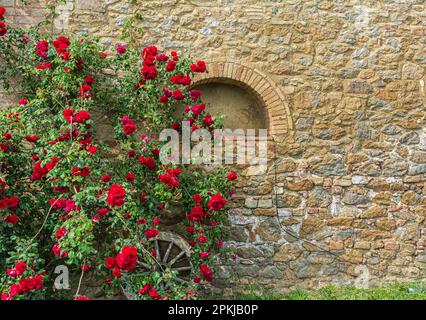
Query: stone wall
{"type": "Point", "coordinates": [343, 84]}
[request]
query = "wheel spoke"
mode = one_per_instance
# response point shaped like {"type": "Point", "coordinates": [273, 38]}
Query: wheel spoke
{"type": "Point", "coordinates": [175, 259]}
{"type": "Point", "coordinates": [169, 249]}
{"type": "Point", "coordinates": [182, 269]}
{"type": "Point", "coordinates": [157, 251]}
{"type": "Point", "coordinates": [165, 258]}
{"type": "Point", "coordinates": [180, 280]}
{"type": "Point", "coordinates": [143, 264]}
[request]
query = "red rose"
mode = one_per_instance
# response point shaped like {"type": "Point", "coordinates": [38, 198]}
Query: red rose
{"type": "Point", "coordinates": [85, 91]}
{"type": "Point", "coordinates": [196, 214]}
{"type": "Point", "coordinates": [89, 80]}
{"type": "Point", "coordinates": [116, 195]}
{"type": "Point", "coordinates": [57, 251]}
{"type": "Point", "coordinates": [208, 120]}
{"type": "Point", "coordinates": [3, 29]}
{"type": "Point", "coordinates": [190, 229]}
{"type": "Point", "coordinates": [127, 258]}
{"type": "Point", "coordinates": [206, 272]}
{"type": "Point", "coordinates": [68, 113]}
{"type": "Point", "coordinates": [130, 176]}
{"type": "Point", "coordinates": [204, 255]}
{"type": "Point", "coordinates": [149, 51]}
{"type": "Point", "coordinates": [145, 289]}
{"type": "Point", "coordinates": [110, 262]}
{"type": "Point", "coordinates": [176, 125]}
{"type": "Point", "coordinates": [129, 128]}
{"type": "Point", "coordinates": [177, 95]}
{"type": "Point", "coordinates": [85, 267]}
{"type": "Point", "coordinates": [162, 57]}
{"type": "Point", "coordinates": [41, 49]}
{"type": "Point", "coordinates": [7, 136]}
{"type": "Point", "coordinates": [106, 178]}
{"type": "Point", "coordinates": [181, 79]}
{"type": "Point", "coordinates": [151, 233]}
{"type": "Point", "coordinates": [149, 162]}
{"type": "Point", "coordinates": [125, 119]}
{"type": "Point", "coordinates": [197, 198]}
{"type": "Point", "coordinates": [70, 206]}
{"type": "Point", "coordinates": [13, 203]}
{"type": "Point", "coordinates": [121, 49]}
{"type": "Point", "coordinates": [3, 203]}
{"type": "Point", "coordinates": [170, 180]}
{"type": "Point", "coordinates": [155, 151]}
{"type": "Point", "coordinates": [232, 176]}
{"type": "Point", "coordinates": [23, 102]}
{"type": "Point", "coordinates": [31, 138]}
{"type": "Point", "coordinates": [200, 66]}
{"type": "Point", "coordinates": [217, 202]}
{"type": "Point", "coordinates": [156, 221]}
{"type": "Point", "coordinates": [92, 149]}
{"type": "Point", "coordinates": [154, 294]}
{"type": "Point", "coordinates": [82, 116]}
{"type": "Point", "coordinates": [85, 171]}
{"type": "Point", "coordinates": [61, 232]}
{"type": "Point", "coordinates": [164, 99]}
{"type": "Point", "coordinates": [14, 290]}
{"type": "Point", "coordinates": [149, 61]}
{"type": "Point", "coordinates": [202, 239]}
{"type": "Point", "coordinates": [66, 56]}
{"type": "Point", "coordinates": [116, 273]}
{"type": "Point", "coordinates": [21, 267]}
{"type": "Point", "coordinates": [149, 72]}
{"type": "Point", "coordinates": [195, 94]}
{"type": "Point", "coordinates": [2, 13]}
{"type": "Point", "coordinates": [197, 109]}
{"type": "Point", "coordinates": [6, 297]}
{"type": "Point", "coordinates": [82, 298]}
{"type": "Point", "coordinates": [170, 66]}
{"type": "Point", "coordinates": [2, 185]}
{"type": "Point", "coordinates": [103, 211]}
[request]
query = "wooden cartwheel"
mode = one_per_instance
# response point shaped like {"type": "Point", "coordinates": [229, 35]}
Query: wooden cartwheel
{"type": "Point", "coordinates": [172, 253]}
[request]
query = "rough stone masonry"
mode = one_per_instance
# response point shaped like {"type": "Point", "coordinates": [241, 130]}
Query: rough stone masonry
{"type": "Point", "coordinates": [343, 82]}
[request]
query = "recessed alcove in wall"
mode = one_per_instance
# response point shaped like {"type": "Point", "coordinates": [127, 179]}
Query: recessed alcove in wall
{"type": "Point", "coordinates": [242, 108]}
{"type": "Point", "coordinates": [266, 97]}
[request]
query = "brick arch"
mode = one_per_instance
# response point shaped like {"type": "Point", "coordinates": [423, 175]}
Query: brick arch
{"type": "Point", "coordinates": [279, 115]}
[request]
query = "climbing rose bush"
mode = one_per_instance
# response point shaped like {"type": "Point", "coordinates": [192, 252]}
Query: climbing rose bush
{"type": "Point", "coordinates": [67, 197]}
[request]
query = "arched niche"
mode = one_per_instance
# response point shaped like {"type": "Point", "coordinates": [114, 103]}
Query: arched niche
{"type": "Point", "coordinates": [242, 109]}
{"type": "Point", "coordinates": [266, 98]}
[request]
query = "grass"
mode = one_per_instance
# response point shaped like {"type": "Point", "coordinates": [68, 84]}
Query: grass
{"type": "Point", "coordinates": [413, 291]}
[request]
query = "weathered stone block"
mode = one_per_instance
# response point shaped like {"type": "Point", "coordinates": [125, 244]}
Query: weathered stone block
{"type": "Point", "coordinates": [394, 168]}
{"type": "Point", "coordinates": [374, 212]}
{"type": "Point", "coordinates": [289, 200]}
{"type": "Point", "coordinates": [310, 225]}
{"type": "Point", "coordinates": [318, 197]}
{"type": "Point", "coordinates": [300, 185]}
{"type": "Point", "coordinates": [288, 252]}
{"type": "Point", "coordinates": [265, 212]}
{"type": "Point", "coordinates": [412, 71]}
{"type": "Point", "coordinates": [269, 229]}
{"type": "Point", "coordinates": [359, 87]}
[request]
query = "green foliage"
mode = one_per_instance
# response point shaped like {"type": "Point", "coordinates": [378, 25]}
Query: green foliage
{"type": "Point", "coordinates": [397, 291]}
{"type": "Point", "coordinates": [53, 164]}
